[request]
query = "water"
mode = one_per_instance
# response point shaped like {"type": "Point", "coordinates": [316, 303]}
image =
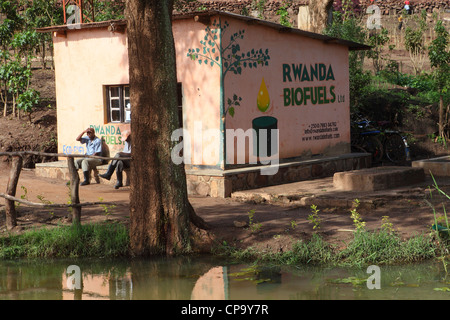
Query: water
{"type": "Point", "coordinates": [210, 278]}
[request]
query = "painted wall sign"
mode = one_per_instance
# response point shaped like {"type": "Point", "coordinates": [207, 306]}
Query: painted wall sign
{"type": "Point", "coordinates": [109, 133]}
{"type": "Point", "coordinates": [301, 92]}
{"type": "Point", "coordinates": [297, 96]}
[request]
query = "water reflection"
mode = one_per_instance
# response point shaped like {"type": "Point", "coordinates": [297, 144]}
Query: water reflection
{"type": "Point", "coordinates": [211, 285]}
{"type": "Point", "coordinates": [206, 278]}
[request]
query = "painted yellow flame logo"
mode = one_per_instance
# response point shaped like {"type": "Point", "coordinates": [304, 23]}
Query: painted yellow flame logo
{"type": "Point", "coordinates": [263, 100]}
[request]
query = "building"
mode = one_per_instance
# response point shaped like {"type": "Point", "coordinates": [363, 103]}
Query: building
{"type": "Point", "coordinates": [236, 76]}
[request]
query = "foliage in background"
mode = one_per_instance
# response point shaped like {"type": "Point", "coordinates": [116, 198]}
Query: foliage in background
{"type": "Point", "coordinates": [377, 40]}
{"type": "Point", "coordinates": [352, 29]}
{"type": "Point", "coordinates": [20, 45]}
{"type": "Point", "coordinates": [382, 102]}
{"type": "Point", "coordinates": [415, 41]}
{"type": "Point", "coordinates": [439, 54]}
{"type": "Point", "coordinates": [106, 10]}
{"type": "Point", "coordinates": [284, 14]}
{"type": "Point", "coordinates": [348, 7]}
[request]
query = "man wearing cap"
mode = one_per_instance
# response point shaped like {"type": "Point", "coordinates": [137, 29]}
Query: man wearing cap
{"type": "Point", "coordinates": [408, 7]}
{"type": "Point", "coordinates": [118, 164]}
{"type": "Point", "coordinates": [93, 148]}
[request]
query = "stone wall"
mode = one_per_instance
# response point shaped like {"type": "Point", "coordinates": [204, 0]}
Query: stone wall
{"type": "Point", "coordinates": [393, 6]}
{"type": "Point", "coordinates": [267, 9]}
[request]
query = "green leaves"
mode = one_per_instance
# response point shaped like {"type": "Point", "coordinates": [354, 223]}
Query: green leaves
{"type": "Point", "coordinates": [439, 55]}
{"type": "Point", "coordinates": [28, 100]}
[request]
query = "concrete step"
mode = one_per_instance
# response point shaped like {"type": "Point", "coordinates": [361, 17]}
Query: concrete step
{"type": "Point", "coordinates": [438, 167]}
{"type": "Point", "coordinates": [378, 178]}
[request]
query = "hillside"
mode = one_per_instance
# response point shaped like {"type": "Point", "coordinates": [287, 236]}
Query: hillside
{"type": "Point", "coordinates": [39, 135]}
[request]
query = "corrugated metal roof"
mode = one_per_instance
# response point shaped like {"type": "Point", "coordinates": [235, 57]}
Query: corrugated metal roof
{"type": "Point", "coordinates": [208, 14]}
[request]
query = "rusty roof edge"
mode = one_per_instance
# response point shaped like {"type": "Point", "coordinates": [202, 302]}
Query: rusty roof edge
{"type": "Point", "coordinates": [351, 44]}
{"type": "Point", "coordinates": [90, 25]}
{"type": "Point", "coordinates": [178, 16]}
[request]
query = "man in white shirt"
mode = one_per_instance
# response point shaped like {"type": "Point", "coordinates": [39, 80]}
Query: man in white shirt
{"type": "Point", "coordinates": [120, 165]}
{"type": "Point", "coordinates": [93, 148]}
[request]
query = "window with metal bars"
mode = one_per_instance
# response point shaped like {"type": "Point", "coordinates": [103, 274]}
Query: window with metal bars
{"type": "Point", "coordinates": [119, 107]}
{"type": "Point", "coordinates": [118, 103]}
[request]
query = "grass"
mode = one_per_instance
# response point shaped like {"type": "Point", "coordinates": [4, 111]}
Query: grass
{"type": "Point", "coordinates": [382, 247]}
{"type": "Point", "coordinates": [89, 240]}
{"type": "Point", "coordinates": [112, 240]}
{"type": "Point", "coordinates": [315, 251]}
{"type": "Point", "coordinates": [366, 248]}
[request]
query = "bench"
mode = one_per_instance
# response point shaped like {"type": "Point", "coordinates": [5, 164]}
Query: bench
{"type": "Point", "coordinates": [59, 170]}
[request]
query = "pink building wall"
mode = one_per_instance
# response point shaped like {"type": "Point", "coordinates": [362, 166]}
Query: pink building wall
{"type": "Point", "coordinates": [305, 128]}
{"type": "Point", "coordinates": [88, 59]}
{"type": "Point", "coordinates": [85, 61]}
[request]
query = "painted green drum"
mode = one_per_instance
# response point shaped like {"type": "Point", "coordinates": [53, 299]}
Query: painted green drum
{"type": "Point", "coordinates": [268, 123]}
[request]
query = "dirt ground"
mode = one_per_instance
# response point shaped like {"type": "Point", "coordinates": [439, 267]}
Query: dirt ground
{"type": "Point", "coordinates": [276, 224]}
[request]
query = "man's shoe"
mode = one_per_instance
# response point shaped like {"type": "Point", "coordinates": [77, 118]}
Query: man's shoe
{"type": "Point", "coordinates": [86, 178]}
{"type": "Point", "coordinates": [119, 179]}
{"type": "Point", "coordinates": [105, 176]}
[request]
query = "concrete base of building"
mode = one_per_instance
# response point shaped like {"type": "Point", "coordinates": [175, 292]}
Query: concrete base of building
{"type": "Point", "coordinates": [221, 183]}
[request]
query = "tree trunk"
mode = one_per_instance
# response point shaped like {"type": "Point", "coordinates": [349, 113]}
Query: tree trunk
{"type": "Point", "coordinates": [10, 209]}
{"type": "Point", "coordinates": [162, 221]}
{"type": "Point", "coordinates": [441, 116]}
{"type": "Point", "coordinates": [319, 12]}
{"type": "Point", "coordinates": [74, 191]}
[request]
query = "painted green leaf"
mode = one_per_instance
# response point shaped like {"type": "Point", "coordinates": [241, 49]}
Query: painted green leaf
{"type": "Point", "coordinates": [231, 111]}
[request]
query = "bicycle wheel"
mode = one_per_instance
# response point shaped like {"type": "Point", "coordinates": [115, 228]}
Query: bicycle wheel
{"type": "Point", "coordinates": [395, 148]}
{"type": "Point", "coordinates": [374, 146]}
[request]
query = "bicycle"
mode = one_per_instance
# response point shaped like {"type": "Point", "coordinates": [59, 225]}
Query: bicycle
{"type": "Point", "coordinates": [386, 142]}
{"type": "Point", "coordinates": [364, 139]}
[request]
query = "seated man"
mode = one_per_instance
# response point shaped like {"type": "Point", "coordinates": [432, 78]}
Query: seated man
{"type": "Point", "coordinates": [93, 148]}
{"type": "Point", "coordinates": [119, 165]}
